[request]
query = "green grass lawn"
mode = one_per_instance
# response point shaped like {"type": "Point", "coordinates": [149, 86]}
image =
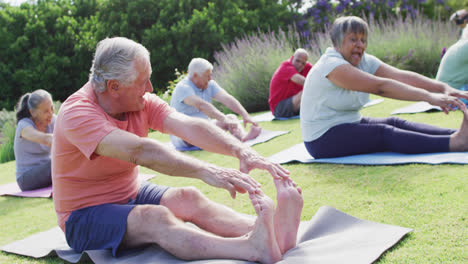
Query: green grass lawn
{"type": "Point", "coordinates": [430, 199]}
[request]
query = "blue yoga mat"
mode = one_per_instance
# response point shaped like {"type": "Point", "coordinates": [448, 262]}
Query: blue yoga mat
{"type": "Point", "coordinates": [298, 153]}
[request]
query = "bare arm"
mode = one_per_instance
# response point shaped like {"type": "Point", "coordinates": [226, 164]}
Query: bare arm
{"type": "Point", "coordinates": [205, 107]}
{"type": "Point", "coordinates": [34, 135]}
{"type": "Point", "coordinates": [299, 79]}
{"type": "Point", "coordinates": [232, 103]}
{"type": "Point", "coordinates": [410, 78]}
{"type": "Point", "coordinates": [418, 80]}
{"type": "Point", "coordinates": [209, 137]}
{"type": "Point", "coordinates": [149, 153]}
{"type": "Point", "coordinates": [351, 78]}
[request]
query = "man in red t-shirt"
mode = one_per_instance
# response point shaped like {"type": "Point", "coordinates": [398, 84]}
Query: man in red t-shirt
{"type": "Point", "coordinates": [287, 83]}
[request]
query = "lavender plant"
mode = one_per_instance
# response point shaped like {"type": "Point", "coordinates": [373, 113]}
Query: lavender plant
{"type": "Point", "coordinates": [322, 13]}
{"type": "Point", "coordinates": [245, 67]}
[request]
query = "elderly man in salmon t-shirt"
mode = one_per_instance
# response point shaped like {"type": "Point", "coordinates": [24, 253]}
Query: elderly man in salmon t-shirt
{"type": "Point", "coordinates": [287, 83]}
{"type": "Point", "coordinates": [100, 138]}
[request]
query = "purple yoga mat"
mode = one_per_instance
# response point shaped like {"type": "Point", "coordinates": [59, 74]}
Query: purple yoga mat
{"type": "Point", "coordinates": [12, 189]}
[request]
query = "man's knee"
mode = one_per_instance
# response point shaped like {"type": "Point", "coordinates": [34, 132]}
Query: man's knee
{"type": "Point", "coordinates": [190, 194]}
{"type": "Point", "coordinates": [151, 214]}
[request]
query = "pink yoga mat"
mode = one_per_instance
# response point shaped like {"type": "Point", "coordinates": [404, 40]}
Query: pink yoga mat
{"type": "Point", "coordinates": [12, 189]}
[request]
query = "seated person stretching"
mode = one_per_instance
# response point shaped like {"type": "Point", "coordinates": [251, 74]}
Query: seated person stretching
{"type": "Point", "coordinates": [100, 139]}
{"type": "Point", "coordinates": [33, 138]}
{"type": "Point", "coordinates": [193, 94]}
{"type": "Point", "coordinates": [461, 19]}
{"type": "Point", "coordinates": [286, 85]}
{"type": "Point", "coordinates": [339, 85]}
{"type": "Point", "coordinates": [453, 69]}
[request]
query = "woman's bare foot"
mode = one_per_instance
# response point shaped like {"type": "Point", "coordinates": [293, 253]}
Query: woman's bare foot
{"type": "Point", "coordinates": [288, 213]}
{"type": "Point", "coordinates": [253, 133]}
{"type": "Point", "coordinates": [459, 139]}
{"type": "Point", "coordinates": [262, 238]}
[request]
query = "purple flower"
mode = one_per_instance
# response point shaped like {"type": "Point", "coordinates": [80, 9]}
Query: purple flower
{"type": "Point", "coordinates": [339, 8]}
{"type": "Point", "coordinates": [391, 4]}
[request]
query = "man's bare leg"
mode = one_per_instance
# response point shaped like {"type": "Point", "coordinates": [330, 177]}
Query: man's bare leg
{"type": "Point", "coordinates": [190, 205]}
{"type": "Point", "coordinates": [296, 101]}
{"type": "Point", "coordinates": [288, 213]}
{"type": "Point", "coordinates": [156, 224]}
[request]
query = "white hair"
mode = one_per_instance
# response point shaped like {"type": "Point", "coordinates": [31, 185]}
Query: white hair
{"type": "Point", "coordinates": [114, 60]}
{"type": "Point", "coordinates": [198, 66]}
{"type": "Point", "coordinates": [300, 51]}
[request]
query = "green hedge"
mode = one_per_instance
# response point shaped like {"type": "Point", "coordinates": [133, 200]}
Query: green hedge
{"type": "Point", "coordinates": [49, 45]}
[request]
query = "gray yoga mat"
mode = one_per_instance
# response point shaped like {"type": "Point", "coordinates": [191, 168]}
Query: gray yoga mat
{"type": "Point", "coordinates": [265, 135]}
{"type": "Point", "coordinates": [331, 236]}
{"type": "Point", "coordinates": [298, 153]}
{"type": "Point", "coordinates": [418, 107]}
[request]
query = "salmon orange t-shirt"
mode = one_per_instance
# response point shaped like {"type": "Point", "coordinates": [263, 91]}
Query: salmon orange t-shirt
{"type": "Point", "coordinates": [80, 177]}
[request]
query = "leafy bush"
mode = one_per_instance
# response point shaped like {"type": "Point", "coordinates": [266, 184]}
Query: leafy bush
{"type": "Point", "coordinates": [245, 67]}
{"type": "Point", "coordinates": [411, 44]}
{"type": "Point", "coordinates": [8, 139]}
{"type": "Point", "coordinates": [166, 96]}
{"type": "Point", "coordinates": [7, 116]}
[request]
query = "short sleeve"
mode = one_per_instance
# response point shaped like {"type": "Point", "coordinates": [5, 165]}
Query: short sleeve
{"type": "Point", "coordinates": [214, 88]}
{"type": "Point", "coordinates": [25, 122]}
{"type": "Point", "coordinates": [183, 91]}
{"type": "Point", "coordinates": [285, 72]}
{"type": "Point", "coordinates": [157, 110]}
{"type": "Point", "coordinates": [85, 127]}
{"type": "Point", "coordinates": [331, 64]}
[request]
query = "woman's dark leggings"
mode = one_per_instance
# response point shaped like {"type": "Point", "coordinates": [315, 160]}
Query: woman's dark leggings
{"type": "Point", "coordinates": [38, 177]}
{"type": "Point", "coordinates": [379, 135]}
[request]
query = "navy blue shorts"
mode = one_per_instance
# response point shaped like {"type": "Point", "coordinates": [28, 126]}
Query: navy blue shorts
{"type": "Point", "coordinates": [104, 226]}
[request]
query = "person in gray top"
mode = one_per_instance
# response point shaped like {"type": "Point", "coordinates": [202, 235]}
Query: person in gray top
{"type": "Point", "coordinates": [338, 86]}
{"type": "Point", "coordinates": [193, 95]}
{"type": "Point", "coordinates": [33, 140]}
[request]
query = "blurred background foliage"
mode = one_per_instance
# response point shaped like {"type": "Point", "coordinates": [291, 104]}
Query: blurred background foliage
{"type": "Point", "coordinates": [49, 44]}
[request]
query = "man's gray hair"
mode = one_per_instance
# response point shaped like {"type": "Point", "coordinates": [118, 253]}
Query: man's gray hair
{"type": "Point", "coordinates": [345, 25]}
{"type": "Point", "coordinates": [114, 60]}
{"type": "Point", "coordinates": [198, 66]}
{"type": "Point", "coordinates": [301, 51]}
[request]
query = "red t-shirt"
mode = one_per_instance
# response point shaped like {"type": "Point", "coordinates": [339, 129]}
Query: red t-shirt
{"type": "Point", "coordinates": [80, 177]}
{"type": "Point", "coordinates": [281, 86]}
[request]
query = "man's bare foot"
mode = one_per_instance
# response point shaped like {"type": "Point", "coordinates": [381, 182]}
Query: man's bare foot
{"type": "Point", "coordinates": [262, 237]}
{"type": "Point", "coordinates": [253, 133]}
{"type": "Point", "coordinates": [459, 139]}
{"type": "Point", "coordinates": [288, 213]}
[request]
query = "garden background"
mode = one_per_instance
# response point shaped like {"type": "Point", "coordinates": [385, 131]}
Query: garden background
{"type": "Point", "coordinates": [49, 45]}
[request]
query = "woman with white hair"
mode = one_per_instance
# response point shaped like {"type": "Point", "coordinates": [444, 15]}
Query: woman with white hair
{"type": "Point", "coordinates": [339, 85]}
{"type": "Point", "coordinates": [33, 140]}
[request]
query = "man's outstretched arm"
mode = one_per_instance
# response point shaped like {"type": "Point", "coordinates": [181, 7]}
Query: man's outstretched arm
{"type": "Point", "coordinates": [209, 137]}
{"type": "Point", "coordinates": [150, 153]}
